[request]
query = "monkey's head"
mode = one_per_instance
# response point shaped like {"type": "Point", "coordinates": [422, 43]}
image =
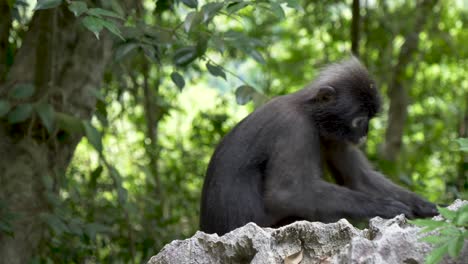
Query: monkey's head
{"type": "Point", "coordinates": [342, 100]}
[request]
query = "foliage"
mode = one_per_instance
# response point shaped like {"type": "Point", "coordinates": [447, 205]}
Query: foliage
{"type": "Point", "coordinates": [452, 232]}
{"type": "Point", "coordinates": [449, 235]}
{"type": "Point", "coordinates": [463, 142]}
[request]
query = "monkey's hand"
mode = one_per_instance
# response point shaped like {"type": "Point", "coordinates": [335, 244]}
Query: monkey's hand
{"type": "Point", "coordinates": [422, 208]}
{"type": "Point", "coordinates": [389, 208]}
{"type": "Point", "coordinates": [419, 207]}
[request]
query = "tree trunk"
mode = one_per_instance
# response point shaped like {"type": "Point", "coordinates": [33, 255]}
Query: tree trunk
{"type": "Point", "coordinates": [462, 179]}
{"type": "Point", "coordinates": [355, 23]}
{"type": "Point", "coordinates": [397, 93]}
{"type": "Point", "coordinates": [5, 24]}
{"type": "Point", "coordinates": [66, 63]}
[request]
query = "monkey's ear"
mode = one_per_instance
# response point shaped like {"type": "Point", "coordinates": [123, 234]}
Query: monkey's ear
{"type": "Point", "coordinates": [324, 94]}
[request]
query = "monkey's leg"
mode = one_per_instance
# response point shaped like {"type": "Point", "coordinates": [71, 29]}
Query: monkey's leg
{"type": "Point", "coordinates": [351, 169]}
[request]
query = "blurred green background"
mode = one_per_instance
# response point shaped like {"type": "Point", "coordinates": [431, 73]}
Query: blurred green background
{"type": "Point", "coordinates": [110, 110]}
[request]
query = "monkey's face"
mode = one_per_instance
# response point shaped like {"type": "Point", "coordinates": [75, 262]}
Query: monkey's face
{"type": "Point", "coordinates": [350, 127]}
{"type": "Point", "coordinates": [344, 99]}
{"type": "Point", "coordinates": [359, 128]}
{"type": "Point", "coordinates": [346, 119]}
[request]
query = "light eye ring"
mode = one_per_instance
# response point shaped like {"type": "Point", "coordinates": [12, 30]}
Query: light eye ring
{"type": "Point", "coordinates": [358, 121]}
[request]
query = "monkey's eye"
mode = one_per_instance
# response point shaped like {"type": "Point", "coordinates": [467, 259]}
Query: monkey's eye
{"type": "Point", "coordinates": [358, 121]}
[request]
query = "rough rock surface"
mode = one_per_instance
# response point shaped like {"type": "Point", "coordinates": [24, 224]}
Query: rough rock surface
{"type": "Point", "coordinates": [385, 241]}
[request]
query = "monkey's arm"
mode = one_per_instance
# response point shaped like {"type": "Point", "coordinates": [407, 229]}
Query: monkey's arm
{"type": "Point", "coordinates": [351, 168]}
{"type": "Point", "coordinates": [322, 201]}
{"type": "Point", "coordinates": [293, 187]}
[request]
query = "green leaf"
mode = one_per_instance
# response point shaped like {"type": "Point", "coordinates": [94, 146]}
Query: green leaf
{"type": "Point", "coordinates": [6, 228]}
{"type": "Point", "coordinates": [96, 24]}
{"type": "Point", "coordinates": [99, 12]}
{"type": "Point", "coordinates": [426, 222]}
{"type": "Point", "coordinates": [185, 55]}
{"type": "Point", "coordinates": [75, 226]}
{"type": "Point", "coordinates": [178, 80]}
{"type": "Point", "coordinates": [77, 7]}
{"type": "Point", "coordinates": [257, 56]}
{"type": "Point", "coordinates": [69, 123]}
{"type": "Point", "coordinates": [436, 255]}
{"type": "Point", "coordinates": [244, 94]}
{"type": "Point", "coordinates": [235, 36]}
{"type": "Point", "coordinates": [277, 10]}
{"type": "Point", "coordinates": [191, 3]}
{"type": "Point", "coordinates": [462, 219]}
{"type": "Point", "coordinates": [5, 107]}
{"type": "Point", "coordinates": [202, 45]}
{"type": "Point", "coordinates": [113, 28]}
{"type": "Point", "coordinates": [161, 37]}
{"type": "Point", "coordinates": [293, 4]}
{"type": "Point", "coordinates": [455, 246]}
{"type": "Point", "coordinates": [101, 113]}
{"type": "Point", "coordinates": [134, 32]}
{"type": "Point", "coordinates": [54, 222]}
{"type": "Point", "coordinates": [192, 20]}
{"type": "Point", "coordinates": [209, 11]}
{"type": "Point", "coordinates": [46, 4]}
{"type": "Point", "coordinates": [97, 94]}
{"type": "Point", "coordinates": [93, 229]}
{"type": "Point", "coordinates": [462, 216]}
{"type": "Point", "coordinates": [450, 231]}
{"type": "Point", "coordinates": [150, 52]}
{"type": "Point", "coordinates": [446, 213]}
{"type": "Point", "coordinates": [117, 7]}
{"type": "Point", "coordinates": [236, 6]}
{"type": "Point", "coordinates": [124, 49]}
{"type": "Point", "coordinates": [93, 24]}
{"type": "Point", "coordinates": [245, 44]}
{"type": "Point", "coordinates": [20, 113]}
{"type": "Point", "coordinates": [47, 115]}
{"type": "Point", "coordinates": [218, 43]}
{"type": "Point", "coordinates": [433, 239]}
{"type": "Point", "coordinates": [216, 70]}
{"type": "Point", "coordinates": [93, 136]}
{"type": "Point", "coordinates": [22, 91]}
{"type": "Point", "coordinates": [463, 142]}
{"type": "Point", "coordinates": [151, 34]}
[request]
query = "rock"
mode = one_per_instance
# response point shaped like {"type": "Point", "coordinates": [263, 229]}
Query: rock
{"type": "Point", "coordinates": [385, 241]}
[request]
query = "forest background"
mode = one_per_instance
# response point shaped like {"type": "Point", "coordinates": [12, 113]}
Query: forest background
{"type": "Point", "coordinates": [110, 110]}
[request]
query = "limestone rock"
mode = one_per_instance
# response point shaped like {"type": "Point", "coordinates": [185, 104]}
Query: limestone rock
{"type": "Point", "coordinates": [385, 241]}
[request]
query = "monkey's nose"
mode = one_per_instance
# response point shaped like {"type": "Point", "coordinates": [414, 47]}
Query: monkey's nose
{"type": "Point", "coordinates": [358, 122]}
{"type": "Point", "coordinates": [362, 140]}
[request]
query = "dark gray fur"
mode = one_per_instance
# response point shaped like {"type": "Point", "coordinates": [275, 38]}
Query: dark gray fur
{"type": "Point", "coordinates": [269, 168]}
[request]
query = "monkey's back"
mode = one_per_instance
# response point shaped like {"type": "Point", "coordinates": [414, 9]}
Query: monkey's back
{"type": "Point", "coordinates": [232, 192]}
